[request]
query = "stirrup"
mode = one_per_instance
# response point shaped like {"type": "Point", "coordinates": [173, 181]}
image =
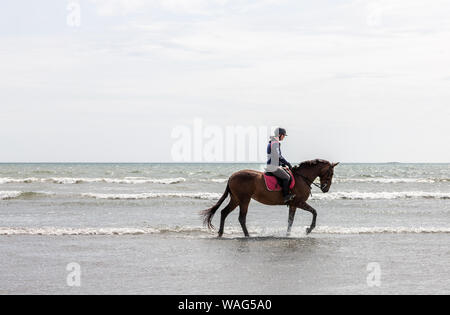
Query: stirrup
{"type": "Point", "coordinates": [289, 198]}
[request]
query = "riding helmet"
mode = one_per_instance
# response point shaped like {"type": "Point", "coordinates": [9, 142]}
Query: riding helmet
{"type": "Point", "coordinates": [280, 132]}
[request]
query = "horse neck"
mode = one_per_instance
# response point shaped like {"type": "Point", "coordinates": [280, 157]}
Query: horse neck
{"type": "Point", "coordinates": [311, 173]}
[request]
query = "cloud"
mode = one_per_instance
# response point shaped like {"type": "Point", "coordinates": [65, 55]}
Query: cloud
{"type": "Point", "coordinates": [194, 7]}
{"type": "Point", "coordinates": [124, 7]}
{"type": "Point", "coordinates": [415, 14]}
{"type": "Point", "coordinates": [158, 61]}
{"type": "Point", "coordinates": [118, 7]}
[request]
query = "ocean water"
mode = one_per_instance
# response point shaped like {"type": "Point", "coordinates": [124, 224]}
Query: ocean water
{"type": "Point", "coordinates": [135, 229]}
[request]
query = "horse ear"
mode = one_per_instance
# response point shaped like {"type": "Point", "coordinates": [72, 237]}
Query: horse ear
{"type": "Point", "coordinates": [336, 164]}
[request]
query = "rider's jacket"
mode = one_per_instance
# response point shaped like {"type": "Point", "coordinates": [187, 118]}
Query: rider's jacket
{"type": "Point", "coordinates": [274, 157]}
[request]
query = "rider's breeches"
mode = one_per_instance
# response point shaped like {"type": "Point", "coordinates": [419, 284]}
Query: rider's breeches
{"type": "Point", "coordinates": [281, 173]}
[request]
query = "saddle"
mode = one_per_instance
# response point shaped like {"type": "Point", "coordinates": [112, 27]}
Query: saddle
{"type": "Point", "coordinates": [273, 183]}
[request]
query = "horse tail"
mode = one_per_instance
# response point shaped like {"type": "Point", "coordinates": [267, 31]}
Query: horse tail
{"type": "Point", "coordinates": [208, 214]}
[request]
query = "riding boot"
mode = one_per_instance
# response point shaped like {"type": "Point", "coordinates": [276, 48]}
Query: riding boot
{"type": "Point", "coordinates": [287, 196]}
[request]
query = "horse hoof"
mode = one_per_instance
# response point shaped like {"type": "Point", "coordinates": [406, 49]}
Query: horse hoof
{"type": "Point", "coordinates": [308, 231]}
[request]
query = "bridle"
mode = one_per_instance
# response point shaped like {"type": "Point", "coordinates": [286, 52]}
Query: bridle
{"type": "Point", "coordinates": [309, 182]}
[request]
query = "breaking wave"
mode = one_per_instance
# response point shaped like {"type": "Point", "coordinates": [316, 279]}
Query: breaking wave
{"type": "Point", "coordinates": [56, 231]}
{"type": "Point", "coordinates": [355, 195]}
{"type": "Point", "coordinates": [9, 195]}
{"type": "Point", "coordinates": [203, 232]}
{"type": "Point", "coordinates": [338, 230]}
{"type": "Point", "coordinates": [71, 180]}
{"type": "Point", "coordinates": [199, 195]}
{"type": "Point", "coordinates": [76, 231]}
{"type": "Point", "coordinates": [381, 230]}
{"type": "Point", "coordinates": [6, 195]}
{"type": "Point", "coordinates": [177, 180]}
{"type": "Point", "coordinates": [215, 180]}
{"type": "Point", "coordinates": [390, 180]}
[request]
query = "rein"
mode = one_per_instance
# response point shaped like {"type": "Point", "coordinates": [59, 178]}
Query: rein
{"type": "Point", "coordinates": [309, 183]}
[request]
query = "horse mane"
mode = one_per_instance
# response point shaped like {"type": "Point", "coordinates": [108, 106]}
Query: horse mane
{"type": "Point", "coordinates": [307, 164]}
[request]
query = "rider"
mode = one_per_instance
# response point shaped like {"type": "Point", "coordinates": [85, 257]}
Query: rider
{"type": "Point", "coordinates": [276, 162]}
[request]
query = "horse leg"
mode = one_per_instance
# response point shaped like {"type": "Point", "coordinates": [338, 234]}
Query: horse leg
{"type": "Point", "coordinates": [308, 208]}
{"type": "Point", "coordinates": [225, 212]}
{"type": "Point", "coordinates": [292, 210]}
{"type": "Point", "coordinates": [243, 206]}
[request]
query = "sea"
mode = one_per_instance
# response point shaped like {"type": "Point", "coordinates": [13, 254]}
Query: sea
{"type": "Point", "coordinates": [136, 229]}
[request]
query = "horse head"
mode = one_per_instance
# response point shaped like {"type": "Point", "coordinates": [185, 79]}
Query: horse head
{"type": "Point", "coordinates": [326, 176]}
{"type": "Point", "coordinates": [310, 170]}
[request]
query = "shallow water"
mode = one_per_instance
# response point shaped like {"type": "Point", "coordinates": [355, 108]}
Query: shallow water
{"type": "Point", "coordinates": [162, 264]}
{"type": "Point", "coordinates": [134, 228]}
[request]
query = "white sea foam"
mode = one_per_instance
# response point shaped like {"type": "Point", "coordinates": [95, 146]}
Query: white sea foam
{"type": "Point", "coordinates": [203, 232]}
{"type": "Point", "coordinates": [72, 180]}
{"type": "Point", "coordinates": [199, 195]}
{"type": "Point", "coordinates": [339, 230]}
{"type": "Point", "coordinates": [8, 195]}
{"type": "Point", "coordinates": [356, 195]}
{"type": "Point", "coordinates": [219, 180]}
{"type": "Point", "coordinates": [9, 180]}
{"type": "Point", "coordinates": [53, 231]}
{"type": "Point", "coordinates": [388, 180]}
{"type": "Point", "coordinates": [60, 231]}
{"type": "Point", "coordinates": [381, 230]}
{"type": "Point", "coordinates": [5, 195]}
{"type": "Point", "coordinates": [215, 180]}
{"type": "Point", "coordinates": [145, 180]}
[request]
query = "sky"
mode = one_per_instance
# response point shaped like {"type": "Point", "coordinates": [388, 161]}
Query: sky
{"type": "Point", "coordinates": [113, 81]}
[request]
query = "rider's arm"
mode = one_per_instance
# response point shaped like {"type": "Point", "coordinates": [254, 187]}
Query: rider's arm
{"type": "Point", "coordinates": [283, 161]}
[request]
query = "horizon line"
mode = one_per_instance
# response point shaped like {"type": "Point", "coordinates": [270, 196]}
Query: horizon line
{"type": "Point", "coordinates": [244, 162]}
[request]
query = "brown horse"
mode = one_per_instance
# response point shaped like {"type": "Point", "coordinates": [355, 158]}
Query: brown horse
{"type": "Point", "coordinates": [249, 184]}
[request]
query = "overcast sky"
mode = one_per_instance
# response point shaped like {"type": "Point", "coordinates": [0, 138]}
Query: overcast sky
{"type": "Point", "coordinates": [352, 81]}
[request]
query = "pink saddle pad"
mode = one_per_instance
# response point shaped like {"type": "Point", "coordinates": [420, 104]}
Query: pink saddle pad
{"type": "Point", "coordinates": [272, 182]}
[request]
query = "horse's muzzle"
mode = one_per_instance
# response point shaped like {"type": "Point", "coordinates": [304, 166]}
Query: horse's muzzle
{"type": "Point", "coordinates": [325, 187]}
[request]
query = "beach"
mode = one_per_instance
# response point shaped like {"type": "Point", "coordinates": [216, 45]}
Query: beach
{"type": "Point", "coordinates": [135, 229]}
